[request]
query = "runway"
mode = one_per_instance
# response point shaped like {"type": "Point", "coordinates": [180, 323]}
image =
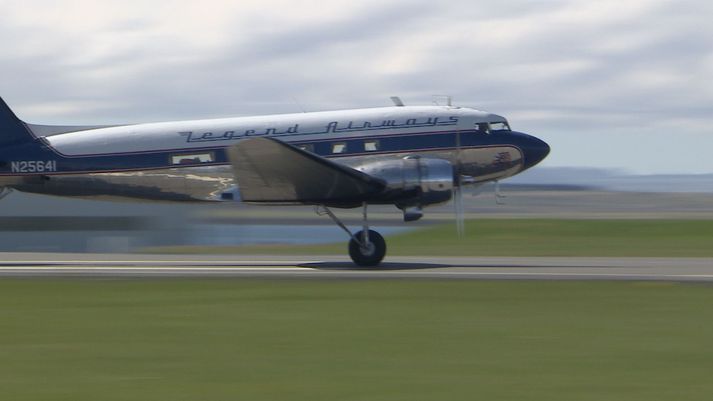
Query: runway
{"type": "Point", "coordinates": [105, 266]}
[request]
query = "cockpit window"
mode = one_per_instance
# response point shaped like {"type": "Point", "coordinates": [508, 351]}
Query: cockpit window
{"type": "Point", "coordinates": [499, 126]}
{"type": "Point", "coordinates": [489, 128]}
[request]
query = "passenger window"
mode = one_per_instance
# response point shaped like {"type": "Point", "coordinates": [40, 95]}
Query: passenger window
{"type": "Point", "coordinates": [192, 158]}
{"type": "Point", "coordinates": [371, 146]}
{"type": "Point", "coordinates": [306, 148]}
{"type": "Point", "coordinates": [483, 127]}
{"type": "Point", "coordinates": [340, 147]}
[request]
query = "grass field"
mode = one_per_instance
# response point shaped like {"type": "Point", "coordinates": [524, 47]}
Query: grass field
{"type": "Point", "coordinates": [354, 340]}
{"type": "Point", "coordinates": [525, 237]}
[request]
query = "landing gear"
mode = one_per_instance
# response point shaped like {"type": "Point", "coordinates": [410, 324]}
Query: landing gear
{"type": "Point", "coordinates": [370, 252]}
{"type": "Point", "coordinates": [367, 247]}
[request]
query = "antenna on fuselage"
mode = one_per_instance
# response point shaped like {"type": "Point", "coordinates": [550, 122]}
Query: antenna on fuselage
{"type": "Point", "coordinates": [397, 101]}
{"type": "Point", "coordinates": [447, 98]}
{"type": "Point", "coordinates": [297, 102]}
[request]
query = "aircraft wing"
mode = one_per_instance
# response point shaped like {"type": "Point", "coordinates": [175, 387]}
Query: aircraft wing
{"type": "Point", "coordinates": [271, 171]}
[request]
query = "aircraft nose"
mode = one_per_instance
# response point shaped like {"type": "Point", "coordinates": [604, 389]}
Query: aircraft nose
{"type": "Point", "coordinates": [535, 151]}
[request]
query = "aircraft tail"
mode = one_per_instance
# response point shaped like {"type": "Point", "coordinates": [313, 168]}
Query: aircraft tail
{"type": "Point", "coordinates": [13, 131]}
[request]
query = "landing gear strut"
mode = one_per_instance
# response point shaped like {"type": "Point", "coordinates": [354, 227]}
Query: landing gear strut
{"type": "Point", "coordinates": [366, 247]}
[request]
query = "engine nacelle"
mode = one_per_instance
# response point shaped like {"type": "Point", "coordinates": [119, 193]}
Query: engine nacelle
{"type": "Point", "coordinates": [414, 181]}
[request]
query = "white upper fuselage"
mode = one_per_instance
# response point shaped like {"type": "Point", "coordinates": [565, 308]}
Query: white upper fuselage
{"type": "Point", "coordinates": [288, 127]}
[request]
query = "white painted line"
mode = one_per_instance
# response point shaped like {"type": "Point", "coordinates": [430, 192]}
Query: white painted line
{"type": "Point", "coordinates": [347, 272]}
{"type": "Point", "coordinates": [160, 262]}
{"type": "Point", "coordinates": [151, 269]}
{"type": "Point", "coordinates": [563, 274]}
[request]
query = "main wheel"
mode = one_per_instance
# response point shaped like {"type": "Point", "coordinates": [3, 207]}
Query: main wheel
{"type": "Point", "coordinates": [370, 255]}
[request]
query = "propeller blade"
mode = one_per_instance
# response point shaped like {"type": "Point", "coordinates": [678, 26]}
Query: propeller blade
{"type": "Point", "coordinates": [498, 195]}
{"type": "Point", "coordinates": [458, 205]}
{"type": "Point", "coordinates": [458, 191]}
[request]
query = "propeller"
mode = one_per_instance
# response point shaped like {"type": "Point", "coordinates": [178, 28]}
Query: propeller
{"type": "Point", "coordinates": [458, 191]}
{"type": "Point", "coordinates": [457, 181]}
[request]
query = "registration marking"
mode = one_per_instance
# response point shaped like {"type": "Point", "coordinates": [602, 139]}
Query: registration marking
{"type": "Point", "coordinates": [34, 166]}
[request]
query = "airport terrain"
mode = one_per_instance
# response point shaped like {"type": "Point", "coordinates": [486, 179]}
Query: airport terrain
{"type": "Point", "coordinates": [226, 339]}
{"type": "Point", "coordinates": [523, 237]}
{"type": "Point", "coordinates": [589, 308]}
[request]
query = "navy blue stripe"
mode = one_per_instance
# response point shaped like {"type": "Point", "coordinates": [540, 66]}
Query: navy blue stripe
{"type": "Point", "coordinates": [398, 143]}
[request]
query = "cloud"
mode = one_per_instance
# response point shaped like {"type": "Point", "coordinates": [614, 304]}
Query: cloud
{"type": "Point", "coordinates": [556, 67]}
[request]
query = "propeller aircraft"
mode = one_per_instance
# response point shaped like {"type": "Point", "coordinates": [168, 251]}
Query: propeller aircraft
{"type": "Point", "coordinates": [407, 156]}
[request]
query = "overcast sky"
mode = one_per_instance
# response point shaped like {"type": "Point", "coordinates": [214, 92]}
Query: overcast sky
{"type": "Point", "coordinates": [622, 84]}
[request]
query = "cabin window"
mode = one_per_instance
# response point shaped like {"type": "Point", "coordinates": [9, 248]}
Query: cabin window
{"type": "Point", "coordinates": [306, 147]}
{"type": "Point", "coordinates": [339, 147]}
{"type": "Point", "coordinates": [192, 158]}
{"type": "Point", "coordinates": [371, 146]}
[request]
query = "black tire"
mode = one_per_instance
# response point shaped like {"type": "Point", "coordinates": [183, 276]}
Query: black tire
{"type": "Point", "coordinates": [368, 257]}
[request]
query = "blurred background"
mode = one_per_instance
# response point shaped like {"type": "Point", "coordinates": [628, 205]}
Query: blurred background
{"type": "Point", "coordinates": [30, 223]}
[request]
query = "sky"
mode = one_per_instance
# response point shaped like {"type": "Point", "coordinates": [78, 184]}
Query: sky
{"type": "Point", "coordinates": [623, 85]}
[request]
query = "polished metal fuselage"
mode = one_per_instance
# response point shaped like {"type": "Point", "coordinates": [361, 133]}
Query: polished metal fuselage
{"type": "Point", "coordinates": [209, 183]}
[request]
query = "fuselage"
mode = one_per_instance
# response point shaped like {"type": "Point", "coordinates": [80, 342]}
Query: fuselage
{"type": "Point", "coordinates": [187, 161]}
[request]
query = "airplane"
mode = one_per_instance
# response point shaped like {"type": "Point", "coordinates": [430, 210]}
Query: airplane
{"type": "Point", "coordinates": [407, 156]}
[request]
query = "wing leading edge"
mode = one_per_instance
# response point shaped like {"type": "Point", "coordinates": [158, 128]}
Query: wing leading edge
{"type": "Point", "coordinates": [271, 171]}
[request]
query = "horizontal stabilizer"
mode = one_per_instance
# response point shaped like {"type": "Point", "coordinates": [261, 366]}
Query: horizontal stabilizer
{"type": "Point", "coordinates": [271, 171]}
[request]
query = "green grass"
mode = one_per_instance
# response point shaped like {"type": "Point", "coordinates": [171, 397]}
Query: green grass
{"type": "Point", "coordinates": [354, 340]}
{"type": "Point", "coordinates": [527, 237]}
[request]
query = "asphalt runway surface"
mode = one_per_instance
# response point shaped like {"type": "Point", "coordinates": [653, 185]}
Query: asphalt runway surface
{"type": "Point", "coordinates": [34, 265]}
